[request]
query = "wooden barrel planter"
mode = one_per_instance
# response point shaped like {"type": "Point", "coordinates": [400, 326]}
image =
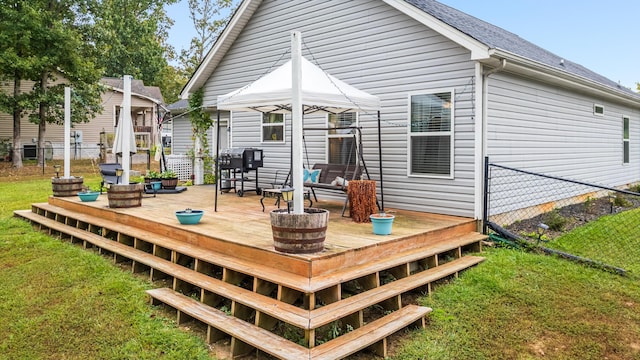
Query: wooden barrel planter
{"type": "Point", "coordinates": [125, 196]}
{"type": "Point", "coordinates": [299, 233]}
{"type": "Point", "coordinates": [70, 186]}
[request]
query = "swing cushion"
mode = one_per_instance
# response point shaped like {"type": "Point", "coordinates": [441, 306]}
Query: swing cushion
{"type": "Point", "coordinates": [312, 176]}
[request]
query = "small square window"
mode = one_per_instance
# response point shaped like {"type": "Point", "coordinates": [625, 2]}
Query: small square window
{"type": "Point", "coordinates": [598, 109]}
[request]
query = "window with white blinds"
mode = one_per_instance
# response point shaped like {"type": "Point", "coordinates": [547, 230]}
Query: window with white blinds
{"type": "Point", "coordinates": [625, 140]}
{"type": "Point", "coordinates": [431, 135]}
{"type": "Point", "coordinates": [341, 142]}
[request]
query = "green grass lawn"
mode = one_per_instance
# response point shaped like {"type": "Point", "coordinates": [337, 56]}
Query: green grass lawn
{"type": "Point", "coordinates": [58, 301]}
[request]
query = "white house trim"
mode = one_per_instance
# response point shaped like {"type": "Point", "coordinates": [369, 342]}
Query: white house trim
{"type": "Point", "coordinates": [478, 49]}
{"type": "Point", "coordinates": [549, 74]}
{"type": "Point", "coordinates": [221, 46]}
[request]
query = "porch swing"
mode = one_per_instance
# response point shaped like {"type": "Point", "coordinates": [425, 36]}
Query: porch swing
{"type": "Point", "coordinates": [333, 176]}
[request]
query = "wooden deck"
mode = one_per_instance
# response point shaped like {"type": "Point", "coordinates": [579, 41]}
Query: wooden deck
{"type": "Point", "coordinates": [228, 260]}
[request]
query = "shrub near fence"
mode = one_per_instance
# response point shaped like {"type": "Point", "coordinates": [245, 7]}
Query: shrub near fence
{"type": "Point", "coordinates": [578, 217]}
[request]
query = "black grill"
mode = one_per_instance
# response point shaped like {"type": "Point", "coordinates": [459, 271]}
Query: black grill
{"type": "Point", "coordinates": [243, 159]}
{"type": "Point", "coordinates": [236, 163]}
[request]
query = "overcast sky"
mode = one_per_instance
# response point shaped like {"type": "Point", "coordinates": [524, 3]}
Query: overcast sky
{"type": "Point", "coordinates": [602, 35]}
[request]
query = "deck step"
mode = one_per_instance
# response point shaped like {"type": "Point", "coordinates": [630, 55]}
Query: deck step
{"type": "Point", "coordinates": [354, 272]}
{"type": "Point", "coordinates": [234, 327]}
{"type": "Point", "coordinates": [293, 281]}
{"type": "Point", "coordinates": [272, 307]}
{"type": "Point", "coordinates": [373, 333]}
{"type": "Point", "coordinates": [334, 311]}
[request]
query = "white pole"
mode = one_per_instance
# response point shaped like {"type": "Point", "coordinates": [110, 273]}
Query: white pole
{"type": "Point", "coordinates": [296, 122]}
{"type": "Point", "coordinates": [126, 123]}
{"type": "Point", "coordinates": [67, 132]}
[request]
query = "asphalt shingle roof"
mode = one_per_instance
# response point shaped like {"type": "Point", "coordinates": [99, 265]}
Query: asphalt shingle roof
{"type": "Point", "coordinates": [498, 38]}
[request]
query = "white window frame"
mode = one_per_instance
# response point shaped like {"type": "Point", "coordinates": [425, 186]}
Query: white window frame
{"type": "Point", "coordinates": [626, 154]}
{"type": "Point", "coordinates": [595, 112]}
{"type": "Point", "coordinates": [263, 125]}
{"type": "Point", "coordinates": [337, 136]}
{"type": "Point", "coordinates": [450, 133]}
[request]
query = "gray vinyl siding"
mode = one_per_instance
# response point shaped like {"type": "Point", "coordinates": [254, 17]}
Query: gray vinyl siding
{"type": "Point", "coordinates": [377, 49]}
{"type": "Point", "coordinates": [181, 141]}
{"type": "Point", "coordinates": [545, 129]}
{"type": "Point", "coordinates": [182, 136]}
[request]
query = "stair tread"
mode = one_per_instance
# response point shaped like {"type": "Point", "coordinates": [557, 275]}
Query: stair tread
{"type": "Point", "coordinates": [246, 332]}
{"type": "Point", "coordinates": [368, 334]}
{"type": "Point", "coordinates": [331, 312]}
{"type": "Point", "coordinates": [354, 272]}
{"type": "Point", "coordinates": [278, 309]}
{"type": "Point", "coordinates": [293, 281]}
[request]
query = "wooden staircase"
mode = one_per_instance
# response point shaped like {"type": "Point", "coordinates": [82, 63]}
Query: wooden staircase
{"type": "Point", "coordinates": [265, 308]}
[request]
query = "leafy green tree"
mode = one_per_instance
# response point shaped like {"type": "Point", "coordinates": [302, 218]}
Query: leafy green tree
{"type": "Point", "coordinates": [130, 37]}
{"type": "Point", "coordinates": [40, 42]}
{"type": "Point", "coordinates": [208, 22]}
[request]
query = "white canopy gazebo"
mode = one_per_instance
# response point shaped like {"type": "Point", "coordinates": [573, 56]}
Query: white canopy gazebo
{"type": "Point", "coordinates": [299, 87]}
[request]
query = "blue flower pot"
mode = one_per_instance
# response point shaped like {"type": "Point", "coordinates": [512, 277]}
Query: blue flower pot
{"type": "Point", "coordinates": [381, 223]}
{"type": "Point", "coordinates": [156, 185]}
{"type": "Point", "coordinates": [88, 196]}
{"type": "Point", "coordinates": [189, 217]}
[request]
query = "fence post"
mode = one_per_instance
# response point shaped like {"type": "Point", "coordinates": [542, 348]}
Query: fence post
{"type": "Point", "coordinates": [485, 212]}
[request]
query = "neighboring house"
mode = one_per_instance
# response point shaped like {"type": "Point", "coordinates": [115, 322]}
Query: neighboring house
{"type": "Point", "coordinates": [453, 90]}
{"type": "Point", "coordinates": [146, 107]}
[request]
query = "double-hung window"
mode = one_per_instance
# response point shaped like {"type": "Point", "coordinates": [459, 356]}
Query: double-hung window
{"type": "Point", "coordinates": [272, 127]}
{"type": "Point", "coordinates": [625, 140]}
{"type": "Point", "coordinates": [430, 138]}
{"type": "Point", "coordinates": [341, 139]}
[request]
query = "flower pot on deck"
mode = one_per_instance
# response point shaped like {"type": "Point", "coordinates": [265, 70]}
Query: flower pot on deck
{"type": "Point", "coordinates": [88, 196]}
{"type": "Point", "coordinates": [169, 183]}
{"type": "Point", "coordinates": [189, 217]}
{"type": "Point", "coordinates": [125, 196]}
{"type": "Point", "coordinates": [299, 233]}
{"type": "Point", "coordinates": [70, 186]}
{"type": "Point", "coordinates": [382, 223]}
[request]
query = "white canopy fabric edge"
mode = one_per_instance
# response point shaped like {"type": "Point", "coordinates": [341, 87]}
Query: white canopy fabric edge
{"type": "Point", "coordinates": [321, 92]}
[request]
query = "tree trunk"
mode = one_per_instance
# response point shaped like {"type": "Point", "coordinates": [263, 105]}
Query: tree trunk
{"type": "Point", "coordinates": [17, 112]}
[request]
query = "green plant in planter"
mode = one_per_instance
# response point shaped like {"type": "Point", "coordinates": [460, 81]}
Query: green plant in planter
{"type": "Point", "coordinates": [168, 174]}
{"type": "Point", "coordinates": [152, 174]}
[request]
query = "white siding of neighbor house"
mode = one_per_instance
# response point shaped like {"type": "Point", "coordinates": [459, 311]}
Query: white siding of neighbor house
{"type": "Point", "coordinates": [544, 129]}
{"type": "Point", "coordinates": [377, 49]}
{"type": "Point", "coordinates": [54, 134]}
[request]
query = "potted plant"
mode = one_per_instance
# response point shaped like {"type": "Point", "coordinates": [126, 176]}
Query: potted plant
{"type": "Point", "coordinates": [169, 179]}
{"type": "Point", "coordinates": [382, 223]}
{"type": "Point", "coordinates": [189, 216]}
{"type": "Point", "coordinates": [152, 175]}
{"type": "Point", "coordinates": [87, 194]}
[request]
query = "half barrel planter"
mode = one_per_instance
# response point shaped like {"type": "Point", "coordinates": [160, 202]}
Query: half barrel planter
{"type": "Point", "coordinates": [125, 195]}
{"type": "Point", "coordinates": [63, 187]}
{"type": "Point", "coordinates": [299, 233]}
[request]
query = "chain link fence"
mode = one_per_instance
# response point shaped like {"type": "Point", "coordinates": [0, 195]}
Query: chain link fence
{"type": "Point", "coordinates": [590, 222]}
{"type": "Point", "coordinates": [53, 155]}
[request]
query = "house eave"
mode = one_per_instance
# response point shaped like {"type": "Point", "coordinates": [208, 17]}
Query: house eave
{"type": "Point", "coordinates": [155, 101]}
{"type": "Point", "coordinates": [478, 49]}
{"type": "Point", "coordinates": [543, 72]}
{"type": "Point", "coordinates": [220, 47]}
